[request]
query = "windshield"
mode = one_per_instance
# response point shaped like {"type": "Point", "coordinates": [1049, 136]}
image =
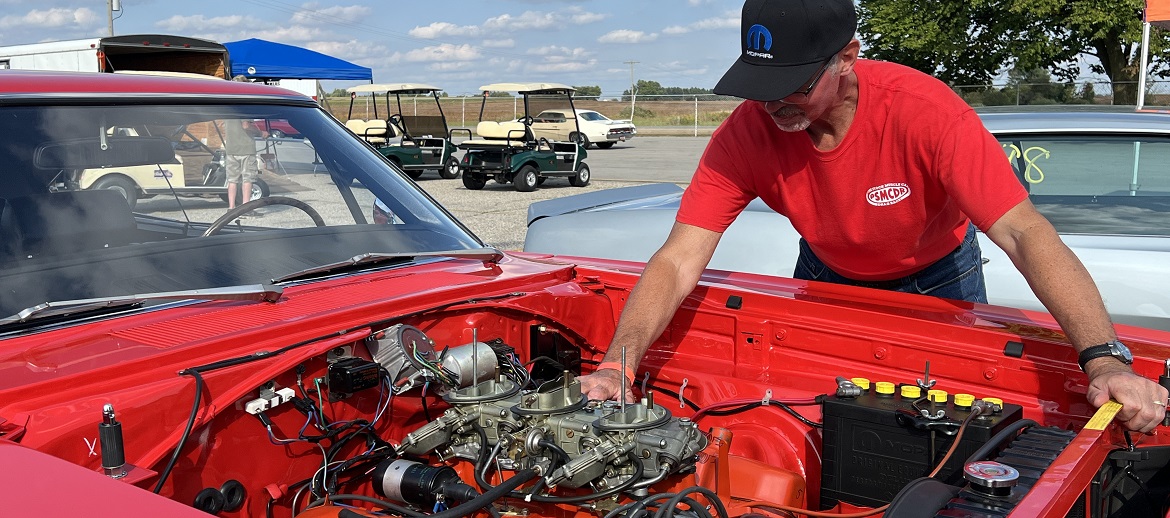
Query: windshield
{"type": "Point", "coordinates": [100, 201]}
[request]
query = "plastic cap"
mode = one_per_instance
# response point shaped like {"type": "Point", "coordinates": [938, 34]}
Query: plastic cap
{"type": "Point", "coordinates": [884, 387]}
{"type": "Point", "coordinates": [911, 391]}
{"type": "Point", "coordinates": [936, 396]}
{"type": "Point", "coordinates": [964, 400]}
{"type": "Point", "coordinates": [861, 382]}
{"type": "Point", "coordinates": [995, 401]}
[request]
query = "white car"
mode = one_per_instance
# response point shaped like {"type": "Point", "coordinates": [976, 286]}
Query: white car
{"type": "Point", "coordinates": [595, 128]}
{"type": "Point", "coordinates": [1102, 179]}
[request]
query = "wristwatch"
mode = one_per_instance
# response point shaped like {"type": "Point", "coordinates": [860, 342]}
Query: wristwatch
{"type": "Point", "coordinates": [1114, 348]}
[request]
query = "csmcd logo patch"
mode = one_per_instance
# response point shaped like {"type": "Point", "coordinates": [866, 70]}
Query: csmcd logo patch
{"type": "Point", "coordinates": [887, 194]}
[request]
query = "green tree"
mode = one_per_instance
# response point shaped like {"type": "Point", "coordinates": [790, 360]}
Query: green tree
{"type": "Point", "coordinates": [970, 41]}
{"type": "Point", "coordinates": [592, 91]}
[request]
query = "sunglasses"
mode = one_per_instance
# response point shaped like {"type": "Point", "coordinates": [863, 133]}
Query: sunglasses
{"type": "Point", "coordinates": [812, 84]}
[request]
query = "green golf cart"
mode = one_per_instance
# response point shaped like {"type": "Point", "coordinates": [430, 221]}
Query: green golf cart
{"type": "Point", "coordinates": [525, 151]}
{"type": "Point", "coordinates": [423, 142]}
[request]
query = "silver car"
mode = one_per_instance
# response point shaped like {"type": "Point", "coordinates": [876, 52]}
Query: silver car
{"type": "Point", "coordinates": [1102, 179]}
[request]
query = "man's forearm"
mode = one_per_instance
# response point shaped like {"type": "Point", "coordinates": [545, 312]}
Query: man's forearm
{"type": "Point", "coordinates": [1065, 288]}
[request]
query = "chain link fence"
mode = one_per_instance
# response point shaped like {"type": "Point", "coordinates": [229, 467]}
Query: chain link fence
{"type": "Point", "coordinates": [701, 114]}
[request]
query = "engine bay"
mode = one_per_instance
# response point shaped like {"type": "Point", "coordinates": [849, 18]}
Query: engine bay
{"type": "Point", "coordinates": [478, 410]}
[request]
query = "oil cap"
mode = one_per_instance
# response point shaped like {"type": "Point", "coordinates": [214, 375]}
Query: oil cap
{"type": "Point", "coordinates": [884, 388]}
{"type": "Point", "coordinates": [911, 391]}
{"type": "Point", "coordinates": [861, 382]}
{"type": "Point", "coordinates": [991, 478]}
{"type": "Point", "coordinates": [936, 396]}
{"type": "Point", "coordinates": [964, 401]}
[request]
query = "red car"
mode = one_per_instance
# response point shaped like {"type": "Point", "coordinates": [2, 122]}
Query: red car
{"type": "Point", "coordinates": [293, 357]}
{"type": "Point", "coordinates": [278, 128]}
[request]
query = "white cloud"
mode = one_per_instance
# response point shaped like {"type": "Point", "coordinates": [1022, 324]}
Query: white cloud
{"type": "Point", "coordinates": [358, 52]}
{"type": "Point", "coordinates": [440, 29]}
{"type": "Point", "coordinates": [444, 52]}
{"type": "Point", "coordinates": [580, 16]}
{"type": "Point", "coordinates": [296, 33]}
{"type": "Point", "coordinates": [729, 20]}
{"type": "Point", "coordinates": [448, 66]}
{"type": "Point", "coordinates": [558, 51]}
{"type": "Point", "coordinates": [50, 18]}
{"type": "Point", "coordinates": [627, 36]}
{"type": "Point", "coordinates": [499, 44]}
{"type": "Point", "coordinates": [180, 24]}
{"type": "Point", "coordinates": [311, 15]}
{"type": "Point", "coordinates": [528, 20]}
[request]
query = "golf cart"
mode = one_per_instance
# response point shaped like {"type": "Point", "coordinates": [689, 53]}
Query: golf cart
{"type": "Point", "coordinates": [198, 168]}
{"type": "Point", "coordinates": [525, 151]}
{"type": "Point", "coordinates": [423, 142]}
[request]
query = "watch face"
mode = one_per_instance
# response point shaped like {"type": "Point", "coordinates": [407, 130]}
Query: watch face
{"type": "Point", "coordinates": [1120, 351]}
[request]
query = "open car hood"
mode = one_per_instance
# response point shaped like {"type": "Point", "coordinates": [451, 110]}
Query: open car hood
{"type": "Point", "coordinates": [432, 368]}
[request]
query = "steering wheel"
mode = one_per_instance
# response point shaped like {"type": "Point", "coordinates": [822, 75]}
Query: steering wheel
{"type": "Point", "coordinates": [242, 209]}
{"type": "Point", "coordinates": [395, 119]}
{"type": "Point", "coordinates": [528, 120]}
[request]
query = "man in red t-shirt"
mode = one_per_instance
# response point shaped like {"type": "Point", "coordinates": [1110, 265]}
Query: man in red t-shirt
{"type": "Point", "coordinates": [886, 174]}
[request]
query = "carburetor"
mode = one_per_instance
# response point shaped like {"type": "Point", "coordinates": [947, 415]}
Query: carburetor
{"type": "Point", "coordinates": [557, 432]}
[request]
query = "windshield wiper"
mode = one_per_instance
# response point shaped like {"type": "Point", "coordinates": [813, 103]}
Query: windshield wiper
{"type": "Point", "coordinates": [486, 254]}
{"type": "Point", "coordinates": [257, 292]}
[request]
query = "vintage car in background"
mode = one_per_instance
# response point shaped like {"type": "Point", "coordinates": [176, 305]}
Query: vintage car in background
{"type": "Point", "coordinates": [591, 128]}
{"type": "Point", "coordinates": [344, 347]}
{"type": "Point", "coordinates": [1102, 179]}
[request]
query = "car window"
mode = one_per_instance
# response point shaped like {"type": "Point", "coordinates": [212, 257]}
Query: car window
{"type": "Point", "coordinates": [1095, 184]}
{"type": "Point", "coordinates": [593, 116]}
{"type": "Point", "coordinates": [110, 200]}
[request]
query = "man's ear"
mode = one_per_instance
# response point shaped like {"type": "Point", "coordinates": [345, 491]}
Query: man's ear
{"type": "Point", "coordinates": [848, 56]}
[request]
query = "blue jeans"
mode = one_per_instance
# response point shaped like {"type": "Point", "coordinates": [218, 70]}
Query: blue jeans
{"type": "Point", "coordinates": [958, 275]}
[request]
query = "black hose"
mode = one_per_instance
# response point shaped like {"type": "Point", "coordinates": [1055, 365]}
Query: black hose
{"type": "Point", "coordinates": [638, 505]}
{"type": "Point", "coordinates": [166, 472]}
{"type": "Point", "coordinates": [489, 496]}
{"type": "Point", "coordinates": [389, 506]}
{"type": "Point", "coordinates": [549, 445]}
{"type": "Point", "coordinates": [667, 510]}
{"type": "Point", "coordinates": [999, 438]}
{"type": "Point", "coordinates": [639, 469]}
{"type": "Point", "coordinates": [482, 459]}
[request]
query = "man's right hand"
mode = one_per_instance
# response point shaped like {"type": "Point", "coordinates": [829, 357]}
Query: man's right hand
{"type": "Point", "coordinates": [605, 384]}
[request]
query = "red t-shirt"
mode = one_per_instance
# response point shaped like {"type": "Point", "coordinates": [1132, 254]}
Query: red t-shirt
{"type": "Point", "coordinates": [893, 197]}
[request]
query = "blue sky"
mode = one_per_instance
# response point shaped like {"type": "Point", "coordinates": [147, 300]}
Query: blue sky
{"type": "Point", "coordinates": [453, 44]}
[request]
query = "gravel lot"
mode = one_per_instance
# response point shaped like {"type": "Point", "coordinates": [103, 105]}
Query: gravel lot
{"type": "Point", "coordinates": [498, 213]}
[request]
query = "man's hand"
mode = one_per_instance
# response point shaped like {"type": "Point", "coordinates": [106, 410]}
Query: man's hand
{"type": "Point", "coordinates": [1139, 397]}
{"type": "Point", "coordinates": [605, 384]}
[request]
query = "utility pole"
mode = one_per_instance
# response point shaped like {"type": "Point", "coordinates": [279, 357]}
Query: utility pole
{"type": "Point", "coordinates": [111, 6]}
{"type": "Point", "coordinates": [632, 87]}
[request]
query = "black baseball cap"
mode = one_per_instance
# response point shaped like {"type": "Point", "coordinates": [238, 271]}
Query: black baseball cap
{"type": "Point", "coordinates": [785, 42]}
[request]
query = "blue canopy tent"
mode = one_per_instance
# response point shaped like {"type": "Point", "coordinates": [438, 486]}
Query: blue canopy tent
{"type": "Point", "coordinates": [260, 59]}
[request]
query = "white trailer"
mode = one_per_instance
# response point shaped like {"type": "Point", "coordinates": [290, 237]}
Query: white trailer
{"type": "Point", "coordinates": [143, 52]}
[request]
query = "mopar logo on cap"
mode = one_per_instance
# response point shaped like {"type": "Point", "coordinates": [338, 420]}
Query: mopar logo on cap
{"type": "Point", "coordinates": [758, 38]}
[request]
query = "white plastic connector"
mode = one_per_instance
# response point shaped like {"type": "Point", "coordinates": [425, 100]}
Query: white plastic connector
{"type": "Point", "coordinates": [263, 404]}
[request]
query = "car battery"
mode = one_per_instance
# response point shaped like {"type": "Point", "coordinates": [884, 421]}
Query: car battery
{"type": "Point", "coordinates": [876, 443]}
